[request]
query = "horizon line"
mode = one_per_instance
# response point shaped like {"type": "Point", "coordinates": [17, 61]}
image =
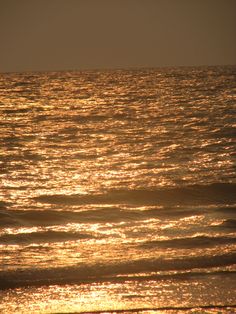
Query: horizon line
{"type": "Point", "coordinates": [119, 68]}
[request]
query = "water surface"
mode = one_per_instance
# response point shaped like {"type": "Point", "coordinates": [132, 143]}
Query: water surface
{"type": "Point", "coordinates": [118, 191]}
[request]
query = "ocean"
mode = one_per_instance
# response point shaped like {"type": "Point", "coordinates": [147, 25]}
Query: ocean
{"type": "Point", "coordinates": [118, 191]}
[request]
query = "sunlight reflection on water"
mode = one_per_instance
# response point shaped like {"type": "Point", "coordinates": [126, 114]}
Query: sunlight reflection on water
{"type": "Point", "coordinates": [117, 190]}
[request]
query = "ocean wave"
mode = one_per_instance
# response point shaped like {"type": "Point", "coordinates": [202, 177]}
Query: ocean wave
{"type": "Point", "coordinates": [42, 236]}
{"type": "Point", "coordinates": [191, 242]}
{"type": "Point", "coordinates": [9, 218]}
{"type": "Point", "coordinates": [227, 209]}
{"type": "Point", "coordinates": [130, 270]}
{"type": "Point", "coordinates": [52, 217]}
{"type": "Point", "coordinates": [228, 223]}
{"type": "Point", "coordinates": [3, 205]}
{"type": "Point", "coordinates": [90, 213]}
{"type": "Point", "coordinates": [218, 193]}
{"type": "Point", "coordinates": [227, 309]}
{"type": "Point", "coordinates": [89, 118]}
{"type": "Point", "coordinates": [16, 110]}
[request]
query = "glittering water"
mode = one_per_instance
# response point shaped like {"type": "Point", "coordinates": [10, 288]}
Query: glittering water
{"type": "Point", "coordinates": [118, 191]}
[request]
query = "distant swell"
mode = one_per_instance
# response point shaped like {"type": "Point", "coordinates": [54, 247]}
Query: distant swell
{"type": "Point", "coordinates": [220, 193]}
{"type": "Point", "coordinates": [109, 272]}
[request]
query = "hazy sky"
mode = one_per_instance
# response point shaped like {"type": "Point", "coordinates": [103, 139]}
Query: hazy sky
{"type": "Point", "coordinates": [81, 34]}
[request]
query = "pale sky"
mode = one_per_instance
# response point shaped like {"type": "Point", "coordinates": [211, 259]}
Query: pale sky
{"type": "Point", "coordinates": [87, 34]}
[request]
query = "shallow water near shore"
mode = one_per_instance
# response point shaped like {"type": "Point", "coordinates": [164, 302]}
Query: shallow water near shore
{"type": "Point", "coordinates": [118, 191]}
